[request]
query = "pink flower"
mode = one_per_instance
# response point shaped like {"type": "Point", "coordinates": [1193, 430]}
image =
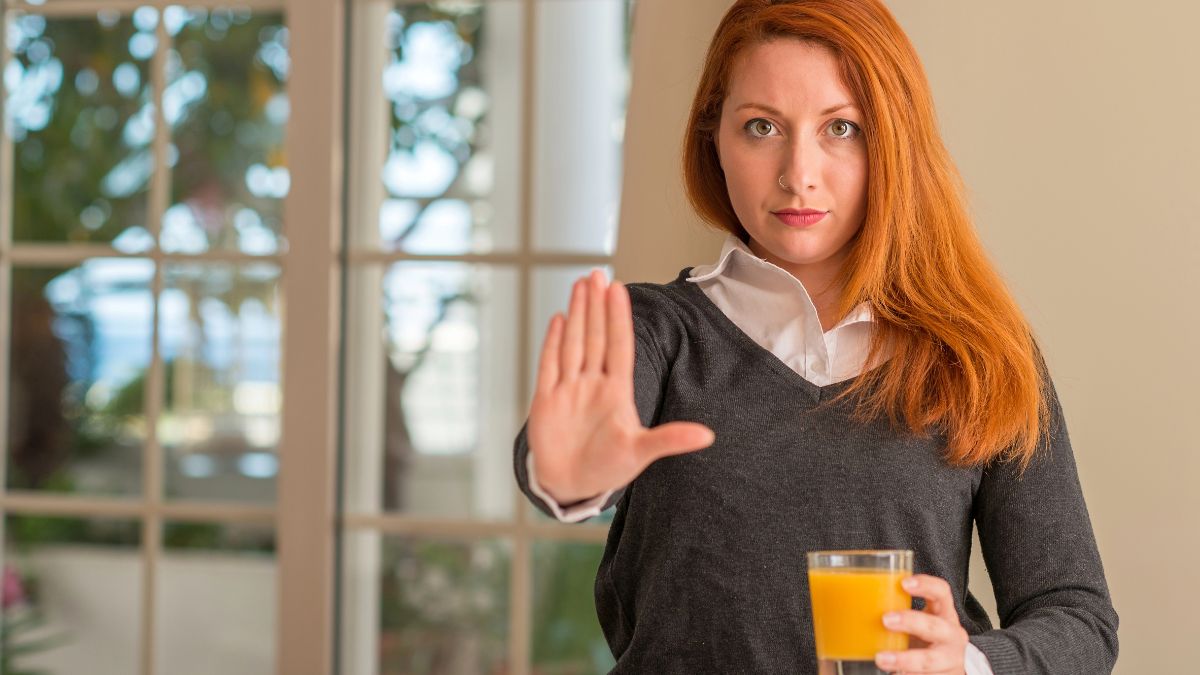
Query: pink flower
{"type": "Point", "coordinates": [12, 591]}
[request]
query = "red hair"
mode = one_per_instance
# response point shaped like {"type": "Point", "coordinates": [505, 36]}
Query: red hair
{"type": "Point", "coordinates": [963, 359]}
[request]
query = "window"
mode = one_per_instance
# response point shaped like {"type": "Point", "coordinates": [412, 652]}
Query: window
{"type": "Point", "coordinates": [206, 320]}
{"type": "Point", "coordinates": [141, 247]}
{"type": "Point", "coordinates": [484, 155]}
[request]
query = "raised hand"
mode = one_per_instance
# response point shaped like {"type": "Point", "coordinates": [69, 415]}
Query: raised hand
{"type": "Point", "coordinates": [584, 431]}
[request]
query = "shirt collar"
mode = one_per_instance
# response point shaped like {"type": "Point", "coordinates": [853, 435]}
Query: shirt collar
{"type": "Point", "coordinates": [734, 246]}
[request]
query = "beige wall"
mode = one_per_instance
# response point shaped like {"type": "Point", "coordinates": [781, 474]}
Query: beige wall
{"type": "Point", "coordinates": [1075, 125]}
{"type": "Point", "coordinates": [658, 233]}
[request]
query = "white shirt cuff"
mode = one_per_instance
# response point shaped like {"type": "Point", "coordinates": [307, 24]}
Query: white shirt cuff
{"type": "Point", "coordinates": [576, 512]}
{"type": "Point", "coordinates": [976, 662]}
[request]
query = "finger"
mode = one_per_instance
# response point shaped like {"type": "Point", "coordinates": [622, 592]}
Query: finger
{"type": "Point", "coordinates": [619, 357]}
{"type": "Point", "coordinates": [916, 661]}
{"type": "Point", "coordinates": [939, 600]}
{"type": "Point", "coordinates": [932, 629]}
{"type": "Point", "coordinates": [593, 359]}
{"type": "Point", "coordinates": [673, 438]}
{"type": "Point", "coordinates": [548, 364]}
{"type": "Point", "coordinates": [572, 348]}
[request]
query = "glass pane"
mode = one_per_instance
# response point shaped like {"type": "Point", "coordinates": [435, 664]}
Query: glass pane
{"type": "Point", "coordinates": [80, 112]}
{"type": "Point", "coordinates": [219, 325]}
{"type": "Point", "coordinates": [581, 91]}
{"type": "Point", "coordinates": [418, 606]}
{"type": "Point", "coordinates": [226, 106]}
{"type": "Point", "coordinates": [80, 352]}
{"type": "Point", "coordinates": [430, 432]}
{"type": "Point", "coordinates": [451, 83]}
{"type": "Point", "coordinates": [215, 600]}
{"type": "Point", "coordinates": [72, 590]}
{"type": "Point", "coordinates": [552, 293]}
{"type": "Point", "coordinates": [567, 639]}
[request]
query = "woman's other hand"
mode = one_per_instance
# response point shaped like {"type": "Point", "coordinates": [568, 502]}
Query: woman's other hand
{"type": "Point", "coordinates": [584, 431]}
{"type": "Point", "coordinates": [940, 643]}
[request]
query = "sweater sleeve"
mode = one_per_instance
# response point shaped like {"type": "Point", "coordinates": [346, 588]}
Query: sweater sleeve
{"type": "Point", "coordinates": [1056, 615]}
{"type": "Point", "coordinates": [975, 662]}
{"type": "Point", "coordinates": [649, 373]}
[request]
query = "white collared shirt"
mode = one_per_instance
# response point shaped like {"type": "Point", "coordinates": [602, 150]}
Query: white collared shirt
{"type": "Point", "coordinates": [774, 309]}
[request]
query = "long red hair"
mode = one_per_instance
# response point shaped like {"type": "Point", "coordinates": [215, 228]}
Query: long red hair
{"type": "Point", "coordinates": [963, 359]}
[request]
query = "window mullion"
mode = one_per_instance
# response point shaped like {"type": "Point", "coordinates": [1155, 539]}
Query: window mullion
{"type": "Point", "coordinates": [309, 289]}
{"type": "Point", "coordinates": [89, 8]}
{"type": "Point", "coordinates": [521, 594]}
{"type": "Point", "coordinates": [363, 421]}
{"type": "Point", "coordinates": [152, 473]}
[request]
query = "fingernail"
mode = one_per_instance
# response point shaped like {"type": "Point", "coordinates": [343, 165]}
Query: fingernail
{"type": "Point", "coordinates": [885, 659]}
{"type": "Point", "coordinates": [891, 619]}
{"type": "Point", "coordinates": [909, 584]}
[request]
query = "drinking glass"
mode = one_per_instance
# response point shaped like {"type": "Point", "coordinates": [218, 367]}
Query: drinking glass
{"type": "Point", "coordinates": [850, 592]}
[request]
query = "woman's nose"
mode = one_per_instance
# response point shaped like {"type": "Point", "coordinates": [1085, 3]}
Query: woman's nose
{"type": "Point", "coordinates": [802, 169]}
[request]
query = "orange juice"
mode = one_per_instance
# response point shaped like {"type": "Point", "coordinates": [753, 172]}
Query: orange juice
{"type": "Point", "coordinates": [848, 605]}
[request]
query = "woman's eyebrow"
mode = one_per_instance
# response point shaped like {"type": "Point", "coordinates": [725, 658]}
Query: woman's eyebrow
{"type": "Point", "coordinates": [766, 108]}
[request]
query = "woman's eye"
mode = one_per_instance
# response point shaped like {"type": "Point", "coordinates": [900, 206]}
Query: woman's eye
{"type": "Point", "coordinates": [844, 129]}
{"type": "Point", "coordinates": [759, 127]}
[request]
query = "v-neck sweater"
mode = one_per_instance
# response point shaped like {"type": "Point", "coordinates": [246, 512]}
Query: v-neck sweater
{"type": "Point", "coordinates": [704, 569]}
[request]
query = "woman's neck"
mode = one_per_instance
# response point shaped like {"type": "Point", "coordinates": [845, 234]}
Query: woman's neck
{"type": "Point", "coordinates": [819, 280]}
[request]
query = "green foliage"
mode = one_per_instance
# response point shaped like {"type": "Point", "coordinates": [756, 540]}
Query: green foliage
{"type": "Point", "coordinates": [218, 537]}
{"type": "Point", "coordinates": [82, 116]}
{"type": "Point", "coordinates": [60, 167]}
{"type": "Point", "coordinates": [130, 400]}
{"type": "Point", "coordinates": [84, 129]}
{"type": "Point", "coordinates": [228, 130]}
{"type": "Point", "coordinates": [566, 633]}
{"type": "Point", "coordinates": [203, 536]}
{"type": "Point", "coordinates": [16, 643]}
{"type": "Point", "coordinates": [435, 594]}
{"type": "Point", "coordinates": [33, 531]}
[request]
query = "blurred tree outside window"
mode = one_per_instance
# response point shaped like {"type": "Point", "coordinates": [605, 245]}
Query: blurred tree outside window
{"type": "Point", "coordinates": [177, 196]}
{"type": "Point", "coordinates": [91, 135]}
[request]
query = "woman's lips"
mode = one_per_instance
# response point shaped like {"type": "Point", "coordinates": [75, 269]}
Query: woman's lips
{"type": "Point", "coordinates": [802, 218]}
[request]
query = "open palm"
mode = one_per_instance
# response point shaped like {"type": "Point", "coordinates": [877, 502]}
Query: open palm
{"type": "Point", "coordinates": [584, 431]}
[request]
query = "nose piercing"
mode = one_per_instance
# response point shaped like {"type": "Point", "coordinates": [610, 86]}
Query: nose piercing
{"type": "Point", "coordinates": [782, 185]}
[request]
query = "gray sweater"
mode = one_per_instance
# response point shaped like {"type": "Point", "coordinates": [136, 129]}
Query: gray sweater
{"type": "Point", "coordinates": [704, 567]}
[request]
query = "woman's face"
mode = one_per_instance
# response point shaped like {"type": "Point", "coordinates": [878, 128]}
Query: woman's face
{"type": "Point", "coordinates": [783, 117]}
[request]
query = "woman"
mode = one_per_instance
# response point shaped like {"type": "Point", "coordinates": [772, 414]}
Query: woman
{"type": "Point", "coordinates": [851, 373]}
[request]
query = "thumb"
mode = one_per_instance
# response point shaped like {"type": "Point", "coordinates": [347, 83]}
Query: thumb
{"type": "Point", "coordinates": [674, 438]}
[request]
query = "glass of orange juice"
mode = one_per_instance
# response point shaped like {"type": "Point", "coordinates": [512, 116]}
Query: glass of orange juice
{"type": "Point", "coordinates": [850, 592]}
